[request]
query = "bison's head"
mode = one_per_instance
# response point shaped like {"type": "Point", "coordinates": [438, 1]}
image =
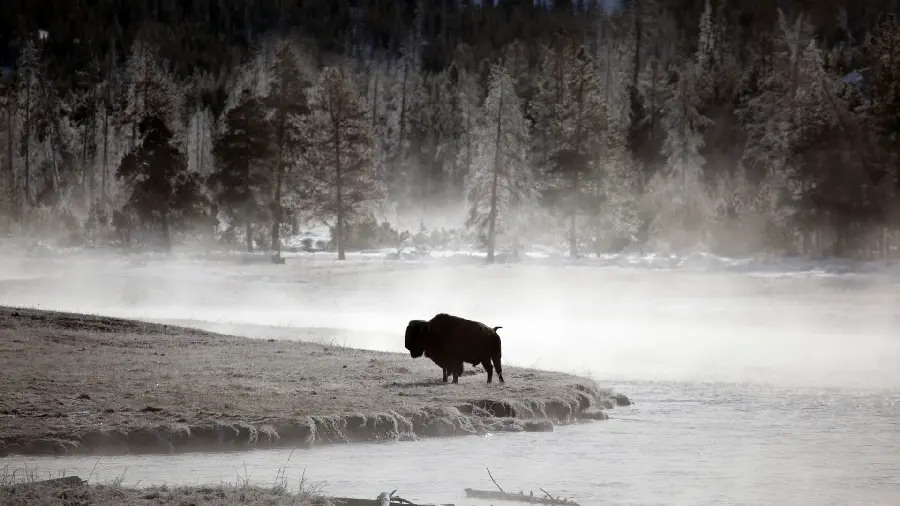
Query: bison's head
{"type": "Point", "coordinates": [416, 332]}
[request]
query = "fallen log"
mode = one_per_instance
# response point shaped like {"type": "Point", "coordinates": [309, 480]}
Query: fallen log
{"type": "Point", "coordinates": [520, 497]}
{"type": "Point", "coordinates": [383, 499]}
{"type": "Point", "coordinates": [69, 481]}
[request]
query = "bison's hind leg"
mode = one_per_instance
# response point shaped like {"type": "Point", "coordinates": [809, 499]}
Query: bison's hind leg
{"type": "Point", "coordinates": [489, 369]}
{"type": "Point", "coordinates": [497, 366]}
{"type": "Point", "coordinates": [446, 373]}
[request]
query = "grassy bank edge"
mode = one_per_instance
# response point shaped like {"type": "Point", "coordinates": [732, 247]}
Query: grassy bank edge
{"type": "Point", "coordinates": [575, 399]}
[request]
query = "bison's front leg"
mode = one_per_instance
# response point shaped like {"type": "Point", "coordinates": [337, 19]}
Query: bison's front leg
{"type": "Point", "coordinates": [446, 373]}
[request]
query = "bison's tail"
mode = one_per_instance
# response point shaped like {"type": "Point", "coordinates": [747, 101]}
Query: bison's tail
{"type": "Point", "coordinates": [495, 328]}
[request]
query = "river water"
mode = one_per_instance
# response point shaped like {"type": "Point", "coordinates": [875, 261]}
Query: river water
{"type": "Point", "coordinates": [747, 389]}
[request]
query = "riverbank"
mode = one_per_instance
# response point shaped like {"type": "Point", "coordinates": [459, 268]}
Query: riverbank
{"type": "Point", "coordinates": [89, 385]}
{"type": "Point", "coordinates": [73, 490]}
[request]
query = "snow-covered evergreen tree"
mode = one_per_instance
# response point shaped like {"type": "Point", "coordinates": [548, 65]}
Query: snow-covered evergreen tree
{"type": "Point", "coordinates": [151, 91]}
{"type": "Point", "coordinates": [28, 105]}
{"type": "Point", "coordinates": [162, 192]}
{"type": "Point", "coordinates": [678, 192]}
{"type": "Point", "coordinates": [467, 97]}
{"type": "Point", "coordinates": [341, 158]}
{"type": "Point", "coordinates": [241, 182]}
{"type": "Point", "coordinates": [570, 107]}
{"type": "Point", "coordinates": [405, 84]}
{"type": "Point", "coordinates": [289, 108]}
{"type": "Point", "coordinates": [771, 118]}
{"type": "Point", "coordinates": [8, 192]}
{"type": "Point", "coordinates": [501, 186]}
{"type": "Point", "coordinates": [617, 187]}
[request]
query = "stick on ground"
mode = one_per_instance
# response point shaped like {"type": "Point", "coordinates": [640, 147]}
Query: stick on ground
{"type": "Point", "coordinates": [492, 479]}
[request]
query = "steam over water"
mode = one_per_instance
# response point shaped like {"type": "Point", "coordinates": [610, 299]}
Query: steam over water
{"type": "Point", "coordinates": [749, 389]}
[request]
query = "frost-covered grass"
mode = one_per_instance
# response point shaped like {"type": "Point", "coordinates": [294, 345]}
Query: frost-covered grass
{"type": "Point", "coordinates": [22, 487]}
{"type": "Point", "coordinates": [84, 384]}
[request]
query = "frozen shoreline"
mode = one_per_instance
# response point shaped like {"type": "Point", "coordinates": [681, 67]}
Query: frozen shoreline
{"type": "Point", "coordinates": [106, 386]}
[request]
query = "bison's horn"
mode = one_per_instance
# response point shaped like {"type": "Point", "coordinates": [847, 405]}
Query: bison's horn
{"type": "Point", "coordinates": [495, 328]}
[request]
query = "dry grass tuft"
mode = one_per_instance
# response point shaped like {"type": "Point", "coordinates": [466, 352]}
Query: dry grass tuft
{"type": "Point", "coordinates": [23, 488]}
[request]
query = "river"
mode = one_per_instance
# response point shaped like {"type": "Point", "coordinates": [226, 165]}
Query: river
{"type": "Point", "coordinates": [747, 389]}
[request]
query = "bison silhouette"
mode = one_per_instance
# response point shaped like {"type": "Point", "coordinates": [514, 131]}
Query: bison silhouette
{"type": "Point", "coordinates": [450, 341]}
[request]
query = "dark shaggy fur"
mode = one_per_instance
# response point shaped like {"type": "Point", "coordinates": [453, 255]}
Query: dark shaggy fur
{"type": "Point", "coordinates": [450, 341]}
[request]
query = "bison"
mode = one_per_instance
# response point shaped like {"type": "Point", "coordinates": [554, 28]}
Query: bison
{"type": "Point", "coordinates": [450, 341]}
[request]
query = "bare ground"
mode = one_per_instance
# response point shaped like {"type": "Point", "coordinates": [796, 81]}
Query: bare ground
{"type": "Point", "coordinates": [80, 384]}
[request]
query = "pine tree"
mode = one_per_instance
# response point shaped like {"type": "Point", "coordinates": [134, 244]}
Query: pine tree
{"type": "Point", "coordinates": [57, 140]}
{"type": "Point", "coordinates": [162, 192]}
{"type": "Point", "coordinates": [422, 135]}
{"type": "Point", "coordinates": [616, 216]}
{"type": "Point", "coordinates": [243, 152]}
{"type": "Point", "coordinates": [501, 184]}
{"type": "Point", "coordinates": [682, 204]}
{"type": "Point", "coordinates": [84, 117]}
{"type": "Point", "coordinates": [406, 83]}
{"type": "Point", "coordinates": [289, 107]}
{"type": "Point", "coordinates": [883, 51]}
{"type": "Point", "coordinates": [569, 107]}
{"type": "Point", "coordinates": [466, 97]}
{"type": "Point", "coordinates": [450, 128]}
{"type": "Point", "coordinates": [150, 90]}
{"type": "Point", "coordinates": [109, 93]}
{"type": "Point", "coordinates": [769, 114]}
{"type": "Point", "coordinates": [341, 159]}
{"type": "Point", "coordinates": [544, 110]}
{"type": "Point", "coordinates": [7, 141]}
{"type": "Point", "coordinates": [28, 105]}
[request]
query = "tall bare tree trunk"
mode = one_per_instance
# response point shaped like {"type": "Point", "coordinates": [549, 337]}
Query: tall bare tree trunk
{"type": "Point", "coordinates": [492, 217]}
{"type": "Point", "coordinates": [201, 145]}
{"type": "Point", "coordinates": [84, 164]}
{"type": "Point", "coordinates": [10, 134]}
{"type": "Point", "coordinates": [26, 139]}
{"type": "Point", "coordinates": [377, 67]}
{"type": "Point", "coordinates": [276, 204]}
{"type": "Point", "coordinates": [92, 166]}
{"type": "Point", "coordinates": [638, 40]}
{"type": "Point", "coordinates": [400, 149]}
{"type": "Point", "coordinates": [573, 234]}
{"type": "Point", "coordinates": [339, 189]}
{"type": "Point", "coordinates": [167, 240]}
{"type": "Point", "coordinates": [104, 169]}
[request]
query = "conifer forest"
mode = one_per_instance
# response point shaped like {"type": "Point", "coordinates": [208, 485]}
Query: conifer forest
{"type": "Point", "coordinates": [739, 127]}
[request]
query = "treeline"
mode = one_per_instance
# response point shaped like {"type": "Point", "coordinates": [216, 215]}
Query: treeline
{"type": "Point", "coordinates": [726, 125]}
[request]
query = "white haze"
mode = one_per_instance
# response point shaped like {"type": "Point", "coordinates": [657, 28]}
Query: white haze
{"type": "Point", "coordinates": [608, 322]}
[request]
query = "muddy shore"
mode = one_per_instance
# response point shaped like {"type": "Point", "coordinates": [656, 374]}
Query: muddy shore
{"type": "Point", "coordinates": [89, 385]}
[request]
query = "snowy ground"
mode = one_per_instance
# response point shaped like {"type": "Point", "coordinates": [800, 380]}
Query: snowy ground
{"type": "Point", "coordinates": [759, 265]}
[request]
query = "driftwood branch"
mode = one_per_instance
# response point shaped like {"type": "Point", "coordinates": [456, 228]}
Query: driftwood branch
{"type": "Point", "coordinates": [493, 480]}
{"type": "Point", "coordinates": [548, 493]}
{"type": "Point", "coordinates": [398, 498]}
